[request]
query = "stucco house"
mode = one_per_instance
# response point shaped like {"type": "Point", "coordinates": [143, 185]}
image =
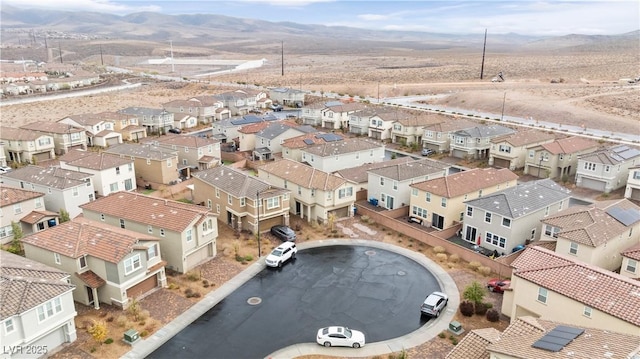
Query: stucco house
{"type": "Point", "coordinates": [26, 146]}
{"type": "Point", "coordinates": [440, 201]}
{"type": "Point", "coordinates": [110, 264]}
{"type": "Point", "coordinates": [99, 127]}
{"type": "Point", "coordinates": [437, 136]}
{"type": "Point", "coordinates": [65, 137]}
{"type": "Point", "coordinates": [194, 152]}
{"type": "Point", "coordinates": [558, 159]}
{"type": "Point", "coordinates": [37, 310]}
{"type": "Point", "coordinates": [183, 108]}
{"type": "Point", "coordinates": [607, 169]}
{"type": "Point", "coordinates": [359, 175]}
{"type": "Point", "coordinates": [595, 234]}
{"type": "Point", "coordinates": [549, 285]}
{"type": "Point", "coordinates": [336, 155]}
{"type": "Point", "coordinates": [239, 102]}
{"type": "Point", "coordinates": [632, 190]}
{"type": "Point", "coordinates": [335, 115]}
{"type": "Point", "coordinates": [62, 188]}
{"type": "Point", "coordinates": [287, 96]}
{"type": "Point", "coordinates": [228, 130]}
{"type": "Point", "coordinates": [209, 108]}
{"type": "Point", "coordinates": [187, 232]}
{"type": "Point", "coordinates": [111, 173]}
{"type": "Point", "coordinates": [381, 123]}
{"type": "Point", "coordinates": [126, 125]}
{"type": "Point", "coordinates": [155, 120]}
{"type": "Point", "coordinates": [475, 142]}
{"type": "Point", "coordinates": [511, 217]}
{"type": "Point", "coordinates": [631, 262]}
{"type": "Point", "coordinates": [154, 165]}
{"type": "Point", "coordinates": [184, 121]}
{"type": "Point", "coordinates": [233, 195]}
{"type": "Point", "coordinates": [315, 195]}
{"type": "Point", "coordinates": [359, 120]}
{"type": "Point", "coordinates": [269, 140]}
{"type": "Point", "coordinates": [311, 114]}
{"type": "Point", "coordinates": [25, 208]}
{"type": "Point", "coordinates": [510, 151]}
{"type": "Point", "coordinates": [292, 147]}
{"type": "Point", "coordinates": [390, 184]}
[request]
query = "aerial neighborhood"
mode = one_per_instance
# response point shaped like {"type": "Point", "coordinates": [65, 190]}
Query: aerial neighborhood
{"type": "Point", "coordinates": [86, 199]}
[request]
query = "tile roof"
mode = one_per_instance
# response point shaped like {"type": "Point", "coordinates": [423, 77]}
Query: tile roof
{"type": "Point", "coordinates": [18, 134]}
{"type": "Point", "coordinates": [348, 145]}
{"type": "Point", "coordinates": [254, 127]}
{"type": "Point", "coordinates": [345, 107]}
{"type": "Point", "coordinates": [139, 208]}
{"type": "Point", "coordinates": [51, 127]}
{"type": "Point", "coordinates": [36, 216]}
{"type": "Point", "coordinates": [598, 288]}
{"type": "Point", "coordinates": [469, 181]}
{"type": "Point", "coordinates": [307, 140]}
{"type": "Point", "coordinates": [233, 181]}
{"type": "Point", "coordinates": [9, 195]}
{"type": "Point", "coordinates": [275, 129]}
{"type": "Point", "coordinates": [612, 155]}
{"type": "Point", "coordinates": [591, 225]}
{"type": "Point", "coordinates": [516, 342]}
{"type": "Point", "coordinates": [53, 177]}
{"type": "Point", "coordinates": [451, 125]}
{"type": "Point", "coordinates": [522, 199]}
{"type": "Point", "coordinates": [93, 160]}
{"type": "Point", "coordinates": [484, 131]}
{"type": "Point", "coordinates": [632, 252]}
{"type": "Point", "coordinates": [359, 174]}
{"type": "Point", "coordinates": [90, 119]}
{"type": "Point", "coordinates": [82, 236]}
{"type": "Point", "coordinates": [26, 284]}
{"type": "Point", "coordinates": [142, 111]}
{"type": "Point", "coordinates": [474, 344]}
{"type": "Point", "coordinates": [91, 279]}
{"type": "Point", "coordinates": [524, 137]}
{"type": "Point", "coordinates": [140, 150]}
{"type": "Point", "coordinates": [181, 141]}
{"type": "Point", "coordinates": [303, 175]}
{"type": "Point", "coordinates": [181, 103]}
{"type": "Point", "coordinates": [414, 169]}
{"type": "Point", "coordinates": [570, 145]}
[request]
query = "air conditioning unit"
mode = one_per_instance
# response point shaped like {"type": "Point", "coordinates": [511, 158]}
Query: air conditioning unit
{"type": "Point", "coordinates": [131, 336]}
{"type": "Point", "coordinates": [456, 328]}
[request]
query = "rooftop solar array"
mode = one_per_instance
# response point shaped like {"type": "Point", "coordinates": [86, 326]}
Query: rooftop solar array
{"type": "Point", "coordinates": [329, 137]}
{"type": "Point", "coordinates": [625, 152]}
{"type": "Point", "coordinates": [557, 338]}
{"type": "Point", "coordinates": [308, 141]}
{"type": "Point", "coordinates": [627, 216]}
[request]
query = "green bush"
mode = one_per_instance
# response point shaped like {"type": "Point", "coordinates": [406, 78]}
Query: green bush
{"type": "Point", "coordinates": [108, 341]}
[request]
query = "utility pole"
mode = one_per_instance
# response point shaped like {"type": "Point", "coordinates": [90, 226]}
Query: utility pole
{"type": "Point", "coordinates": [101, 59]}
{"type": "Point", "coordinates": [282, 56]}
{"type": "Point", "coordinates": [503, 99]}
{"type": "Point", "coordinates": [60, 49]}
{"type": "Point", "coordinates": [484, 47]}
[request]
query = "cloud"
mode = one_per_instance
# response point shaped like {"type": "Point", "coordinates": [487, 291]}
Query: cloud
{"type": "Point", "coordinates": [373, 17]}
{"type": "Point", "coordinates": [82, 5]}
{"type": "Point", "coordinates": [287, 2]}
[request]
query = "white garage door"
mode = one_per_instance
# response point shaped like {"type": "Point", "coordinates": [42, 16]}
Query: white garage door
{"type": "Point", "coordinates": [197, 257]}
{"type": "Point", "coordinates": [593, 184]}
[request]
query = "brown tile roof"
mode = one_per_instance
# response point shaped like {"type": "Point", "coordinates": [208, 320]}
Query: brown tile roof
{"type": "Point", "coordinates": [254, 127]}
{"type": "Point", "coordinates": [524, 137]}
{"type": "Point", "coordinates": [53, 177]}
{"type": "Point", "coordinates": [414, 169]}
{"type": "Point", "coordinates": [613, 155]}
{"type": "Point", "coordinates": [93, 160]}
{"type": "Point", "coordinates": [25, 284]}
{"type": "Point", "coordinates": [51, 127]}
{"type": "Point", "coordinates": [598, 288]}
{"type": "Point", "coordinates": [37, 216]}
{"type": "Point", "coordinates": [591, 225]}
{"type": "Point", "coordinates": [303, 140]}
{"type": "Point", "coordinates": [474, 345]}
{"type": "Point", "coordinates": [516, 342]}
{"type": "Point", "coordinates": [359, 174]}
{"type": "Point", "coordinates": [451, 124]}
{"type": "Point", "coordinates": [139, 208]}
{"type": "Point", "coordinates": [570, 145]}
{"type": "Point", "coordinates": [469, 181]}
{"type": "Point", "coordinates": [182, 141]}
{"type": "Point", "coordinates": [18, 134]}
{"type": "Point", "coordinates": [91, 279]}
{"type": "Point", "coordinates": [9, 195]}
{"type": "Point", "coordinates": [632, 252]}
{"type": "Point", "coordinates": [233, 181]}
{"type": "Point", "coordinates": [347, 145]}
{"type": "Point", "coordinates": [303, 175]}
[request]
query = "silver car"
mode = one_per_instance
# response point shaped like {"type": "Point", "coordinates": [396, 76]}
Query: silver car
{"type": "Point", "coordinates": [434, 304]}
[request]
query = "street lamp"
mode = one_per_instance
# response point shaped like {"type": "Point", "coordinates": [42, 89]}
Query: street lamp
{"type": "Point", "coordinates": [258, 227]}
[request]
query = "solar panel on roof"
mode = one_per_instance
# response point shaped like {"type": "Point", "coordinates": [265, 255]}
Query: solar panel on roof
{"type": "Point", "coordinates": [308, 141]}
{"type": "Point", "coordinates": [627, 216]}
{"type": "Point", "coordinates": [557, 338]}
{"type": "Point", "coordinates": [329, 137]}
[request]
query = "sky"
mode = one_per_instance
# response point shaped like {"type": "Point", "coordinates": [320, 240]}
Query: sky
{"type": "Point", "coordinates": [537, 18]}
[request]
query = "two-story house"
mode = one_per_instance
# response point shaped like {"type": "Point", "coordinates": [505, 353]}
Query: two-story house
{"type": "Point", "coordinates": [631, 262]}
{"type": "Point", "coordinates": [187, 232]}
{"type": "Point", "coordinates": [38, 312]}
{"type": "Point", "coordinates": [233, 195]}
{"type": "Point", "coordinates": [510, 151]}
{"type": "Point", "coordinates": [25, 208]}
{"type": "Point", "coordinates": [632, 190]}
{"type": "Point", "coordinates": [475, 142]}
{"type": "Point", "coordinates": [437, 136]}
{"type": "Point", "coordinates": [99, 127]}
{"type": "Point", "coordinates": [182, 108]}
{"type": "Point", "coordinates": [155, 120]}
{"type": "Point", "coordinates": [558, 159]}
{"type": "Point", "coordinates": [390, 184]}
{"type": "Point", "coordinates": [194, 152]}
{"type": "Point", "coordinates": [335, 115]}
{"type": "Point", "coordinates": [269, 140]}
{"type": "Point", "coordinates": [154, 165]}
{"type": "Point", "coordinates": [238, 102]}
{"type": "Point", "coordinates": [336, 155]}
{"type": "Point", "coordinates": [440, 201]}
{"type": "Point", "coordinates": [210, 109]}
{"type": "Point", "coordinates": [381, 123]}
{"type": "Point", "coordinates": [287, 96]}
{"type": "Point", "coordinates": [595, 234]}
{"type": "Point", "coordinates": [25, 146]}
{"type": "Point", "coordinates": [503, 220]}
{"type": "Point", "coordinates": [549, 285]}
{"type": "Point", "coordinates": [359, 175]}
{"type": "Point", "coordinates": [315, 195]}
{"type": "Point", "coordinates": [292, 147]}
{"type": "Point", "coordinates": [62, 188]}
{"type": "Point", "coordinates": [111, 173]}
{"type": "Point", "coordinates": [65, 137]}
{"type": "Point", "coordinates": [109, 264]}
{"type": "Point", "coordinates": [607, 169]}
{"type": "Point", "coordinates": [311, 113]}
{"type": "Point", "coordinates": [126, 125]}
{"type": "Point", "coordinates": [359, 120]}
{"type": "Point", "coordinates": [228, 130]}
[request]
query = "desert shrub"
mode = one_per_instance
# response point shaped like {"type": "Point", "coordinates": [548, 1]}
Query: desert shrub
{"type": "Point", "coordinates": [134, 308]}
{"type": "Point", "coordinates": [205, 283]}
{"type": "Point", "coordinates": [108, 341]}
{"type": "Point", "coordinates": [484, 270]}
{"type": "Point", "coordinates": [110, 319]}
{"type": "Point", "coordinates": [454, 258]}
{"type": "Point", "coordinates": [297, 227]}
{"type": "Point", "coordinates": [188, 292]}
{"type": "Point", "coordinates": [144, 333]}
{"type": "Point", "coordinates": [193, 276]}
{"type": "Point", "coordinates": [103, 314]}
{"type": "Point", "coordinates": [466, 308]}
{"type": "Point", "coordinates": [98, 330]}
{"type": "Point", "coordinates": [481, 309]}
{"type": "Point", "coordinates": [438, 249]}
{"type": "Point", "coordinates": [474, 265]}
{"type": "Point", "coordinates": [493, 315]}
{"type": "Point", "coordinates": [442, 334]}
{"type": "Point", "coordinates": [451, 265]}
{"type": "Point", "coordinates": [364, 218]}
{"type": "Point", "coordinates": [248, 258]}
{"type": "Point", "coordinates": [454, 341]}
{"type": "Point", "coordinates": [151, 327]}
{"type": "Point", "coordinates": [442, 257]}
{"type": "Point", "coordinates": [173, 286]}
{"type": "Point", "coordinates": [122, 321]}
{"type": "Point", "coordinates": [93, 349]}
{"type": "Point", "coordinates": [197, 295]}
{"type": "Point", "coordinates": [144, 314]}
{"type": "Point", "coordinates": [488, 305]}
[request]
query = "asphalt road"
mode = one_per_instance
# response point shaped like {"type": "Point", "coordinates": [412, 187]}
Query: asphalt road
{"type": "Point", "coordinates": [369, 289]}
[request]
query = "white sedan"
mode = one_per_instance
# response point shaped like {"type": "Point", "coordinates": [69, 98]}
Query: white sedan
{"type": "Point", "coordinates": [340, 337]}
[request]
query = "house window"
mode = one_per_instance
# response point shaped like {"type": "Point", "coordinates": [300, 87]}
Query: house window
{"type": "Point", "coordinates": [546, 211]}
{"type": "Point", "coordinates": [38, 202]}
{"type": "Point", "coordinates": [184, 161]}
{"type": "Point", "coordinates": [186, 149]}
{"type": "Point", "coordinates": [83, 262]}
{"type": "Point", "coordinates": [636, 175]}
{"type": "Point", "coordinates": [542, 295]}
{"type": "Point", "coordinates": [161, 232]}
{"type": "Point", "coordinates": [273, 202]}
{"type": "Point", "coordinates": [470, 211]}
{"type": "Point", "coordinates": [573, 248]}
{"type": "Point", "coordinates": [506, 222]}
{"type": "Point", "coordinates": [395, 185]}
{"type": "Point", "coordinates": [345, 192]}
{"type": "Point", "coordinates": [117, 170]}
{"type": "Point", "coordinates": [243, 201]}
{"type": "Point", "coordinates": [382, 181]}
{"type": "Point", "coordinates": [217, 208]}
{"type": "Point", "coordinates": [632, 265]}
{"type": "Point", "coordinates": [533, 233]}
{"type": "Point", "coordinates": [56, 258]}
{"type": "Point", "coordinates": [189, 235]}
{"type": "Point", "coordinates": [149, 229]}
{"type": "Point", "coordinates": [121, 223]}
{"type": "Point", "coordinates": [229, 199]}
{"type": "Point", "coordinates": [560, 205]}
{"type": "Point", "coordinates": [152, 252]}
{"type": "Point", "coordinates": [313, 192]}
{"type": "Point", "coordinates": [132, 264]}
{"type": "Point", "coordinates": [74, 191]}
{"type": "Point", "coordinates": [443, 202]}
{"type": "Point", "coordinates": [587, 311]}
{"type": "Point", "coordinates": [487, 217]}
{"type": "Point", "coordinates": [551, 231]}
{"type": "Point", "coordinates": [169, 162]}
{"type": "Point", "coordinates": [49, 309]}
{"type": "Point", "coordinates": [589, 166]}
{"type": "Point", "coordinates": [480, 193]}
{"type": "Point", "coordinates": [217, 192]}
{"type": "Point", "coordinates": [504, 148]}
{"type": "Point", "coordinates": [17, 209]}
{"type": "Point", "coordinates": [8, 326]}
{"type": "Point", "coordinates": [428, 197]}
{"type": "Point", "coordinates": [419, 212]}
{"type": "Point", "coordinates": [414, 192]}
{"type": "Point", "coordinates": [459, 140]}
{"type": "Point", "coordinates": [299, 190]}
{"type": "Point", "coordinates": [532, 153]}
{"type": "Point", "coordinates": [496, 240]}
{"type": "Point", "coordinates": [113, 187]}
{"type": "Point", "coordinates": [286, 184]}
{"type": "Point", "coordinates": [607, 168]}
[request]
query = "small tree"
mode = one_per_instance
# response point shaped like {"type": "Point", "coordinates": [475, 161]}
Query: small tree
{"type": "Point", "coordinates": [64, 216]}
{"type": "Point", "coordinates": [474, 293]}
{"type": "Point", "coordinates": [98, 330]}
{"type": "Point", "coordinates": [16, 244]}
{"type": "Point", "coordinates": [332, 219]}
{"type": "Point", "coordinates": [134, 309]}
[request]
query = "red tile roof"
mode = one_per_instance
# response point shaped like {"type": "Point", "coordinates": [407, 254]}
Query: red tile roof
{"type": "Point", "coordinates": [91, 279]}
{"type": "Point", "coordinates": [570, 145]}
{"type": "Point", "coordinates": [469, 181]}
{"type": "Point", "coordinates": [9, 196]}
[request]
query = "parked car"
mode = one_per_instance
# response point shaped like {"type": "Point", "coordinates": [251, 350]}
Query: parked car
{"type": "Point", "coordinates": [498, 285]}
{"type": "Point", "coordinates": [340, 337]}
{"type": "Point", "coordinates": [256, 111]}
{"type": "Point", "coordinates": [427, 152]}
{"type": "Point", "coordinates": [276, 108]}
{"type": "Point", "coordinates": [5, 169]}
{"type": "Point", "coordinates": [281, 254]}
{"type": "Point", "coordinates": [284, 233]}
{"type": "Point", "coordinates": [175, 130]}
{"type": "Point", "coordinates": [434, 304]}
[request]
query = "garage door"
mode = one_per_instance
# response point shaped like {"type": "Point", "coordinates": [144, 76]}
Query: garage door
{"type": "Point", "coordinates": [143, 287]}
{"type": "Point", "coordinates": [268, 223]}
{"type": "Point", "coordinates": [341, 212]}
{"type": "Point", "coordinates": [501, 163]}
{"type": "Point", "coordinates": [197, 257]}
{"type": "Point", "coordinates": [42, 156]}
{"type": "Point", "coordinates": [593, 184]}
{"type": "Point", "coordinates": [458, 154]}
{"type": "Point", "coordinates": [112, 141]}
{"type": "Point", "coordinates": [635, 194]}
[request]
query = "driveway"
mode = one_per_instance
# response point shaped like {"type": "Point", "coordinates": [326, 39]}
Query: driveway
{"type": "Point", "coordinates": [366, 288]}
